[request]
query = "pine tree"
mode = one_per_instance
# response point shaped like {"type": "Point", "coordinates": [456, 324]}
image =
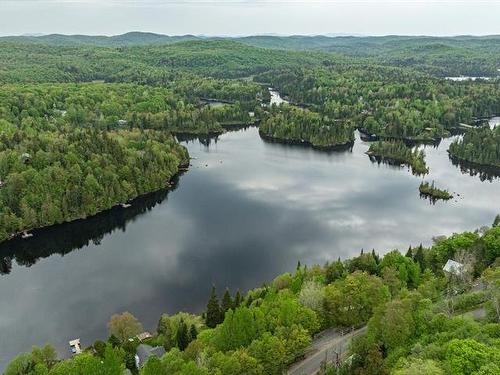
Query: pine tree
{"type": "Point", "coordinates": [237, 299]}
{"type": "Point", "coordinates": [193, 332]}
{"type": "Point", "coordinates": [420, 257]}
{"type": "Point", "coordinates": [409, 253]}
{"type": "Point", "coordinates": [227, 302]}
{"type": "Point", "coordinates": [213, 316]}
{"type": "Point", "coordinates": [182, 336]}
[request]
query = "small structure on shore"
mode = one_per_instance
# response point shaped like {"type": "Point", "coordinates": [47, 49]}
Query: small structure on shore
{"type": "Point", "coordinates": [25, 158]}
{"type": "Point", "coordinates": [122, 122]}
{"type": "Point", "coordinates": [143, 336]}
{"type": "Point", "coordinates": [76, 347]}
{"type": "Point", "coordinates": [26, 234]}
{"type": "Point", "coordinates": [126, 205]}
{"type": "Point", "coordinates": [145, 351]}
{"type": "Point", "coordinates": [453, 267]}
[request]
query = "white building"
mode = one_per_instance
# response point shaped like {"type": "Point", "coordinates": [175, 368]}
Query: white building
{"type": "Point", "coordinates": [453, 267]}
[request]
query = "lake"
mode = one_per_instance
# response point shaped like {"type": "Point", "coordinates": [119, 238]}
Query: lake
{"type": "Point", "coordinates": [246, 211]}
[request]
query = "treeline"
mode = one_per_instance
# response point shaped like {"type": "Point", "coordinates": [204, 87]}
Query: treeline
{"type": "Point", "coordinates": [111, 106]}
{"type": "Point", "coordinates": [479, 146]}
{"type": "Point", "coordinates": [153, 65]}
{"type": "Point", "coordinates": [50, 177]}
{"type": "Point", "coordinates": [396, 152]}
{"type": "Point", "coordinates": [411, 306]}
{"type": "Point", "coordinates": [294, 125]}
{"type": "Point", "coordinates": [388, 102]}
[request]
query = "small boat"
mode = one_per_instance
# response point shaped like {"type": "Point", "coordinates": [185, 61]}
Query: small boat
{"type": "Point", "coordinates": [126, 205]}
{"type": "Point", "coordinates": [26, 235]}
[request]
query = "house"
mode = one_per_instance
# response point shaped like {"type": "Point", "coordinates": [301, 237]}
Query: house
{"type": "Point", "coordinates": [143, 336]}
{"type": "Point", "coordinates": [76, 347]}
{"type": "Point", "coordinates": [251, 114]}
{"type": "Point", "coordinates": [453, 267]}
{"type": "Point", "coordinates": [25, 158]}
{"type": "Point", "coordinates": [143, 353]}
{"type": "Point", "coordinates": [122, 122]}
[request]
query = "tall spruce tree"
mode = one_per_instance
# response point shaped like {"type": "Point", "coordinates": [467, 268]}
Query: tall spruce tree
{"type": "Point", "coordinates": [182, 337]}
{"type": "Point", "coordinates": [227, 302]}
{"type": "Point", "coordinates": [237, 299]}
{"type": "Point", "coordinates": [213, 316]}
{"type": "Point", "coordinates": [193, 333]}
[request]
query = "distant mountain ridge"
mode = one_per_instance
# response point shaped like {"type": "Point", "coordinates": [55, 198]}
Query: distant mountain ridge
{"type": "Point", "coordinates": [330, 43]}
{"type": "Point", "coordinates": [129, 39]}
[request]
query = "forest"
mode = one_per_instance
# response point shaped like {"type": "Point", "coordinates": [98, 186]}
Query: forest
{"type": "Point", "coordinates": [294, 125]}
{"type": "Point", "coordinates": [419, 320]}
{"type": "Point", "coordinates": [388, 102]}
{"type": "Point", "coordinates": [69, 151]}
{"type": "Point", "coordinates": [60, 92]}
{"type": "Point", "coordinates": [479, 146]}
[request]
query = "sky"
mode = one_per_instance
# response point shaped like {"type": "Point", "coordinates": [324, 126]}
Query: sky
{"type": "Point", "coordinates": [251, 17]}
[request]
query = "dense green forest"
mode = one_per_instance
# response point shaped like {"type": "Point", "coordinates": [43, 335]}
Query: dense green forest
{"type": "Point", "coordinates": [478, 146]}
{"type": "Point", "coordinates": [442, 56]}
{"type": "Point", "coordinates": [388, 102]}
{"type": "Point", "coordinates": [396, 152]}
{"type": "Point", "coordinates": [294, 125]}
{"type": "Point", "coordinates": [68, 151]}
{"type": "Point", "coordinates": [53, 176]}
{"type": "Point", "coordinates": [417, 318]}
{"type": "Point", "coordinates": [60, 92]}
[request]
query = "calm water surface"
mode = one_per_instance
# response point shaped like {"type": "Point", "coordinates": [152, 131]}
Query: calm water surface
{"type": "Point", "coordinates": [245, 212]}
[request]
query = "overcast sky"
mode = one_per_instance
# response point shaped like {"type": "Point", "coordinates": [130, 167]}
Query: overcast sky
{"type": "Point", "coordinates": [239, 17]}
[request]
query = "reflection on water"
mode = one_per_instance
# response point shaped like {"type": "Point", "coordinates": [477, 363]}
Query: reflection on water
{"type": "Point", "coordinates": [244, 212]}
{"type": "Point", "coordinates": [64, 238]}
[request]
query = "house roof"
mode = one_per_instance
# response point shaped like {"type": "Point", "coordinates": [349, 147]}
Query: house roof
{"type": "Point", "coordinates": [145, 351]}
{"type": "Point", "coordinates": [452, 266]}
{"type": "Point", "coordinates": [144, 335]}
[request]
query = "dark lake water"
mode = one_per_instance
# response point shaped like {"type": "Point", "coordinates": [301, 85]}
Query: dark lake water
{"type": "Point", "coordinates": [245, 212]}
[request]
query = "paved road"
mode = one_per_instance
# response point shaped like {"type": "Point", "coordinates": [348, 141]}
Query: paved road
{"type": "Point", "coordinates": [324, 346]}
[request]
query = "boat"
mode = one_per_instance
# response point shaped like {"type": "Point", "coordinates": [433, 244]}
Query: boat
{"type": "Point", "coordinates": [126, 205]}
{"type": "Point", "coordinates": [26, 234]}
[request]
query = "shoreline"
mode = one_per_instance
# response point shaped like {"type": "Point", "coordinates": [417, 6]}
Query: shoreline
{"type": "Point", "coordinates": [483, 168]}
{"type": "Point", "coordinates": [337, 147]}
{"type": "Point", "coordinates": [169, 185]}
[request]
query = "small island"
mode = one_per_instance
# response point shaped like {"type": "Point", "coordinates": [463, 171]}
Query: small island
{"type": "Point", "coordinates": [397, 153]}
{"type": "Point", "coordinates": [432, 192]}
{"type": "Point", "coordinates": [292, 125]}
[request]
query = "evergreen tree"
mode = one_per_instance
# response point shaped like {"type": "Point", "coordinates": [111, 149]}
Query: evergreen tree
{"type": "Point", "coordinates": [227, 302]}
{"type": "Point", "coordinates": [409, 253]}
{"type": "Point", "coordinates": [419, 257]}
{"type": "Point", "coordinates": [497, 221]}
{"type": "Point", "coordinates": [213, 316]}
{"type": "Point", "coordinates": [193, 332]}
{"type": "Point", "coordinates": [182, 337]}
{"type": "Point", "coordinates": [237, 299]}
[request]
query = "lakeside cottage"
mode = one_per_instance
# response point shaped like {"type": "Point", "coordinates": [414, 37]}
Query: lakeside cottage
{"type": "Point", "coordinates": [75, 346]}
{"type": "Point", "coordinates": [143, 353]}
{"type": "Point", "coordinates": [143, 336]}
{"type": "Point", "coordinates": [453, 267]}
